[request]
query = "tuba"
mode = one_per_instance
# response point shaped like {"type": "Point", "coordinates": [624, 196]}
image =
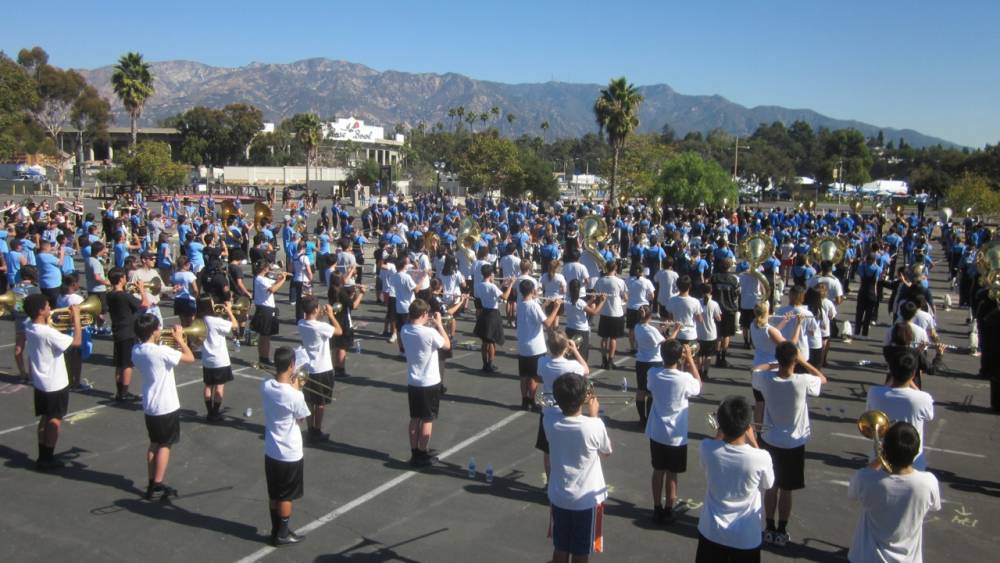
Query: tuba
{"type": "Point", "coordinates": [830, 248]}
{"type": "Point", "coordinates": [227, 210]}
{"type": "Point", "coordinates": [756, 250]}
{"type": "Point", "coordinates": [593, 230]}
{"type": "Point", "coordinates": [431, 243]}
{"type": "Point", "coordinates": [154, 287]}
{"type": "Point", "coordinates": [468, 236]}
{"type": "Point", "coordinates": [988, 264]}
{"type": "Point", "coordinates": [194, 335]}
{"type": "Point", "coordinates": [261, 214]}
{"type": "Point", "coordinates": [8, 301]}
{"type": "Point", "coordinates": [811, 205]}
{"type": "Point", "coordinates": [897, 209]}
{"type": "Point", "coordinates": [856, 206]}
{"type": "Point", "coordinates": [873, 425]}
{"type": "Point", "coordinates": [945, 214]}
{"type": "Point", "coordinates": [61, 320]}
{"type": "Point", "coordinates": [877, 207]}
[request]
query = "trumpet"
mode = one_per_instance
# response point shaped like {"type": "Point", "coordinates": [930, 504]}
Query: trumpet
{"type": "Point", "coordinates": [154, 287]}
{"type": "Point", "coordinates": [194, 335]}
{"type": "Point", "coordinates": [713, 423]}
{"type": "Point", "coordinates": [275, 271]}
{"type": "Point", "coordinates": [61, 320]}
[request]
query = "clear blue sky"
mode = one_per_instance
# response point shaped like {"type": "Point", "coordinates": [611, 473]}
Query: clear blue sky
{"type": "Point", "coordinates": [930, 65]}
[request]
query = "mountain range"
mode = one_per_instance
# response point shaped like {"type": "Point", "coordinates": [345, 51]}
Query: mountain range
{"type": "Point", "coordinates": [343, 89]}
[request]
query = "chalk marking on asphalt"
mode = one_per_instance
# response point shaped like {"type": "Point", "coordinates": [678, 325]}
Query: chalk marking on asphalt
{"type": "Point", "coordinates": [90, 410]}
{"type": "Point", "coordinates": [388, 485]}
{"type": "Point", "coordinates": [942, 450]}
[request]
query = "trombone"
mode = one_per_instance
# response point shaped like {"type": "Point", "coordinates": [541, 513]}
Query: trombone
{"type": "Point", "coordinates": [61, 320]}
{"type": "Point", "coordinates": [300, 377]}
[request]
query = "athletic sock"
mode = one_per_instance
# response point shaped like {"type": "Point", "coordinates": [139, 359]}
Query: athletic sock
{"type": "Point", "coordinates": [770, 524]}
{"type": "Point", "coordinates": [641, 409]}
{"type": "Point", "coordinates": [208, 406]}
{"type": "Point", "coordinates": [282, 527]}
{"type": "Point", "coordinates": [118, 390]}
{"type": "Point", "coordinates": [782, 524]}
{"type": "Point", "coordinates": [275, 519]}
{"type": "Point", "coordinates": [216, 407]}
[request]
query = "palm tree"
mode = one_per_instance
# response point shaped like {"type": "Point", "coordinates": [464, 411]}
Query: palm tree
{"type": "Point", "coordinates": [460, 113]}
{"type": "Point", "coordinates": [545, 130]}
{"type": "Point", "coordinates": [617, 113]}
{"type": "Point", "coordinates": [451, 114]}
{"type": "Point", "coordinates": [484, 117]}
{"type": "Point", "coordinates": [133, 84]}
{"type": "Point", "coordinates": [307, 132]}
{"type": "Point", "coordinates": [510, 121]}
{"type": "Point", "coordinates": [471, 118]}
{"type": "Point", "coordinates": [495, 112]}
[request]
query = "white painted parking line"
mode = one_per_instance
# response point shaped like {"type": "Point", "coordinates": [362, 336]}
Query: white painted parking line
{"type": "Point", "coordinates": [344, 509]}
{"type": "Point", "coordinates": [928, 448]}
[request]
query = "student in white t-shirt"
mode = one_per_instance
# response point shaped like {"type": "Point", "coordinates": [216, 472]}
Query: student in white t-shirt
{"type": "Point", "coordinates": [44, 347]}
{"type": "Point", "coordinates": [807, 327]}
{"type": "Point", "coordinates": [685, 310]}
{"type": "Point", "coordinates": [510, 268]}
{"type": "Point", "coordinates": [736, 471]}
{"type": "Point", "coordinates": [578, 312]}
{"type": "Point", "coordinates": [665, 281]}
{"type": "Point", "coordinates": [265, 316]}
{"type": "Point", "coordinates": [160, 403]}
{"type": "Point", "coordinates": [667, 428]}
{"type": "Point", "coordinates": [577, 440]}
{"type": "Point", "coordinates": [284, 460]}
{"type": "Point", "coordinates": [751, 293]}
{"type": "Point", "coordinates": [422, 338]}
{"type": "Point", "coordinates": [708, 333]}
{"type": "Point", "coordinates": [611, 325]}
{"type": "Point", "coordinates": [488, 327]}
{"type": "Point", "coordinates": [531, 324]}
{"type": "Point", "coordinates": [640, 293]}
{"type": "Point", "coordinates": [648, 337]}
{"type": "Point", "coordinates": [315, 335]}
{"type": "Point", "coordinates": [550, 367]}
{"type": "Point", "coordinates": [906, 335]}
{"type": "Point", "coordinates": [216, 368]}
{"type": "Point", "coordinates": [902, 400]}
{"type": "Point", "coordinates": [554, 288]}
{"type": "Point", "coordinates": [786, 419]}
{"type": "Point", "coordinates": [893, 505]}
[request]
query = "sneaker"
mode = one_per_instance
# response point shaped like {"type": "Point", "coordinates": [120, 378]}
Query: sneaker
{"type": "Point", "coordinates": [769, 536]}
{"type": "Point", "coordinates": [316, 437]}
{"type": "Point", "coordinates": [49, 465]}
{"type": "Point", "coordinates": [393, 337]}
{"type": "Point", "coordinates": [658, 514]}
{"type": "Point", "coordinates": [781, 539]}
{"type": "Point", "coordinates": [668, 516]}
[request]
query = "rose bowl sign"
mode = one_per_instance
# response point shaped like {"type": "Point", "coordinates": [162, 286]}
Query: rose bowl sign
{"type": "Point", "coordinates": [350, 129]}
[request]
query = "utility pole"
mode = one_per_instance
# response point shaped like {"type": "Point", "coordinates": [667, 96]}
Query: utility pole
{"type": "Point", "coordinates": [736, 156]}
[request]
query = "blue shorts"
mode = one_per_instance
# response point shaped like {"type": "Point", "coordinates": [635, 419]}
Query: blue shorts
{"type": "Point", "coordinates": [577, 532]}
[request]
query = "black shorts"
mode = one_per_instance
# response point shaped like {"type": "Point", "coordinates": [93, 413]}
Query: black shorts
{"type": "Point", "coordinates": [265, 320]}
{"type": "Point", "coordinates": [527, 366]}
{"type": "Point", "coordinates": [631, 318]}
{"type": "Point", "coordinates": [611, 327]}
{"type": "Point", "coordinates": [390, 304]}
{"type": "Point", "coordinates": [284, 479]}
{"type": "Point", "coordinates": [789, 466]}
{"type": "Point", "coordinates": [103, 296]}
{"type": "Point", "coordinates": [668, 458]}
{"type": "Point", "coordinates": [345, 340]}
{"type": "Point", "coordinates": [541, 441]}
{"type": "Point", "coordinates": [401, 320]}
{"type": "Point", "coordinates": [216, 376]}
{"type": "Point", "coordinates": [319, 388]}
{"type": "Point", "coordinates": [707, 348]}
{"type": "Point", "coordinates": [424, 401]}
{"type": "Point", "coordinates": [758, 396]}
{"type": "Point", "coordinates": [185, 307]}
{"type": "Point", "coordinates": [123, 353]}
{"type": "Point", "coordinates": [746, 317]}
{"type": "Point", "coordinates": [489, 327]}
{"type": "Point", "coordinates": [164, 429]}
{"type": "Point", "coordinates": [727, 326]}
{"type": "Point", "coordinates": [711, 552]}
{"type": "Point", "coordinates": [642, 373]}
{"type": "Point", "coordinates": [52, 404]}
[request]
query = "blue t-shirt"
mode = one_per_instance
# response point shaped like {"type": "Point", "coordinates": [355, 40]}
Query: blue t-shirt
{"type": "Point", "coordinates": [121, 251]}
{"type": "Point", "coordinates": [196, 254]}
{"type": "Point", "coordinates": [49, 272]}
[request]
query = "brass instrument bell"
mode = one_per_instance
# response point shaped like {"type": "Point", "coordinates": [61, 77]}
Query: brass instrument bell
{"type": "Point", "coordinates": [61, 320]}
{"type": "Point", "coordinates": [7, 302]}
{"type": "Point", "coordinates": [593, 230]}
{"type": "Point", "coordinates": [856, 206]}
{"type": "Point", "coordinates": [154, 287]}
{"type": "Point", "coordinates": [897, 209]}
{"type": "Point", "coordinates": [261, 214]}
{"type": "Point", "coordinates": [227, 210]}
{"type": "Point", "coordinates": [194, 335]}
{"type": "Point", "coordinates": [873, 425]}
{"type": "Point", "coordinates": [945, 214]}
{"type": "Point", "coordinates": [829, 248]}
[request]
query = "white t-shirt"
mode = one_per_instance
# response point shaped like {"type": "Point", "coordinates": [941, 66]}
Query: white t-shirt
{"type": "Point", "coordinates": [516, 291]}
{"type": "Point", "coordinates": [576, 315]}
{"type": "Point", "coordinates": [647, 341]}
{"type": "Point", "coordinates": [316, 337]}
{"type": "Point", "coordinates": [668, 419]}
{"type": "Point", "coordinates": [925, 320]}
{"type": "Point", "coordinates": [510, 266]}
{"type": "Point", "coordinates": [750, 291]}
{"type": "Point", "coordinates": [735, 476]}
{"type": "Point", "coordinates": [553, 286]}
{"type": "Point", "coordinates": [215, 350]}
{"type": "Point", "coordinates": [549, 370]}
{"type": "Point", "coordinates": [44, 347]}
{"type": "Point", "coordinates": [829, 314]}
{"type": "Point", "coordinates": [640, 292]}
{"type": "Point", "coordinates": [301, 269]}
{"type": "Point", "coordinates": [920, 338]}
{"type": "Point", "coordinates": [262, 295]}
{"type": "Point", "coordinates": [530, 329]}
{"type": "Point", "coordinates": [283, 406]}
{"type": "Point", "coordinates": [764, 349]}
{"type": "Point", "coordinates": [890, 527]}
{"type": "Point", "coordinates": [684, 309]}
{"type": "Point", "coordinates": [785, 412]}
{"type": "Point", "coordinates": [616, 292]}
{"type": "Point", "coordinates": [477, 273]}
{"type": "Point", "coordinates": [711, 313]}
{"type": "Point", "coordinates": [576, 271]}
{"type": "Point", "coordinates": [159, 389]}
{"type": "Point", "coordinates": [489, 295]}
{"type": "Point", "coordinates": [835, 290]}
{"type": "Point", "coordinates": [403, 285]}
{"type": "Point", "coordinates": [808, 323]}
{"type": "Point", "coordinates": [575, 445]}
{"type": "Point", "coordinates": [452, 287]}
{"type": "Point", "coordinates": [184, 279]}
{"type": "Point", "coordinates": [906, 404]}
{"type": "Point", "coordinates": [421, 344]}
{"type": "Point", "coordinates": [666, 280]}
{"type": "Point", "coordinates": [387, 272]}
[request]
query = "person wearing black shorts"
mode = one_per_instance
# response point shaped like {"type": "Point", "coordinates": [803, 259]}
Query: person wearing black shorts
{"type": "Point", "coordinates": [316, 336]}
{"type": "Point", "coordinates": [123, 307]}
{"type": "Point", "coordinates": [532, 321]}
{"type": "Point", "coordinates": [284, 460]}
{"type": "Point", "coordinates": [217, 370]}
{"type": "Point", "coordinates": [726, 290]}
{"type": "Point", "coordinates": [44, 349]}
{"type": "Point", "coordinates": [160, 403]}
{"type": "Point", "coordinates": [265, 316]}
{"type": "Point", "coordinates": [349, 299]}
{"type": "Point", "coordinates": [423, 338]}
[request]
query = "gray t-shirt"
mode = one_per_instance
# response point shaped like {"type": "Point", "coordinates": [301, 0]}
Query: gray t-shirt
{"type": "Point", "coordinates": [93, 269]}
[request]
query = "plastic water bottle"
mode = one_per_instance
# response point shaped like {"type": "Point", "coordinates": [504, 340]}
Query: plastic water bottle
{"type": "Point", "coordinates": [472, 468]}
{"type": "Point", "coordinates": [357, 346]}
{"type": "Point", "coordinates": [489, 472]}
{"type": "Point", "coordinates": [624, 385]}
{"type": "Point", "coordinates": [236, 344]}
{"type": "Point", "coordinates": [248, 413]}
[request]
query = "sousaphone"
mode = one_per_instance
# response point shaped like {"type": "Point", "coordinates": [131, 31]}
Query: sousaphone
{"type": "Point", "coordinates": [756, 249]}
{"type": "Point", "coordinates": [593, 230]}
{"type": "Point", "coordinates": [830, 248]}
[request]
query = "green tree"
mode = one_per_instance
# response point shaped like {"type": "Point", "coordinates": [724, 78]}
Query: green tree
{"type": "Point", "coordinates": [307, 129]}
{"type": "Point", "coordinates": [490, 163]}
{"type": "Point", "coordinates": [133, 84]}
{"type": "Point", "coordinates": [617, 113]}
{"type": "Point", "coordinates": [689, 179]}
{"type": "Point", "coordinates": [975, 192]}
{"type": "Point", "coordinates": [545, 129]}
{"type": "Point", "coordinates": [510, 121]}
{"type": "Point", "coordinates": [33, 59]}
{"type": "Point", "coordinates": [18, 93]}
{"type": "Point", "coordinates": [149, 164]}
{"type": "Point", "coordinates": [640, 166]}
{"type": "Point", "coordinates": [367, 172]}
{"type": "Point", "coordinates": [91, 116]}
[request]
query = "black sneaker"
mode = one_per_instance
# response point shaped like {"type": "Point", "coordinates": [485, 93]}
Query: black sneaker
{"type": "Point", "coordinates": [668, 516]}
{"type": "Point", "coordinates": [49, 465]}
{"type": "Point", "coordinates": [316, 437]}
{"type": "Point", "coordinates": [658, 514]}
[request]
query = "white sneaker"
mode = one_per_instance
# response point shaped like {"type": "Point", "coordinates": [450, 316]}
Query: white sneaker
{"type": "Point", "coordinates": [393, 337]}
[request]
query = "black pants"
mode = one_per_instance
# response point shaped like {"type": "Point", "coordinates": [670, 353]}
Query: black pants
{"type": "Point", "coordinates": [295, 294]}
{"type": "Point", "coordinates": [711, 552]}
{"type": "Point", "coordinates": [865, 312]}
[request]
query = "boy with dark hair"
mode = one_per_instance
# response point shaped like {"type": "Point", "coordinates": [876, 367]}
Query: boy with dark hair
{"type": "Point", "coordinates": [894, 505]}
{"type": "Point", "coordinates": [786, 419]}
{"type": "Point", "coordinates": [284, 464]}
{"type": "Point", "coordinates": [736, 472]}
{"type": "Point", "coordinates": [902, 400]}
{"type": "Point", "coordinates": [123, 308]}
{"type": "Point", "coordinates": [160, 403]}
{"type": "Point", "coordinates": [23, 288]}
{"type": "Point", "coordinates": [44, 345]}
{"type": "Point", "coordinates": [576, 487]}
{"type": "Point", "coordinates": [531, 324]}
{"type": "Point", "coordinates": [422, 338]}
{"type": "Point", "coordinates": [316, 335]}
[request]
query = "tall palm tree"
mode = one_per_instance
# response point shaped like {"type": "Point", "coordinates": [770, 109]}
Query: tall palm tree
{"type": "Point", "coordinates": [510, 122]}
{"type": "Point", "coordinates": [545, 130]}
{"type": "Point", "coordinates": [617, 113]}
{"type": "Point", "coordinates": [495, 112]}
{"type": "Point", "coordinates": [451, 114]}
{"type": "Point", "coordinates": [133, 84]}
{"type": "Point", "coordinates": [471, 118]}
{"type": "Point", "coordinates": [484, 117]}
{"type": "Point", "coordinates": [460, 114]}
{"type": "Point", "coordinates": [307, 132]}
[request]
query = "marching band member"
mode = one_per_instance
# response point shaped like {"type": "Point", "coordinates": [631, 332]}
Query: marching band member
{"type": "Point", "coordinates": [553, 288]}
{"type": "Point", "coordinates": [265, 317]}
{"type": "Point", "coordinates": [550, 367]}
{"type": "Point", "coordinates": [685, 311]}
{"type": "Point", "coordinates": [23, 288]}
{"type": "Point", "coordinates": [123, 308]}
{"type": "Point", "coordinates": [640, 293]}
{"type": "Point", "coordinates": [531, 324]}
{"type": "Point", "coordinates": [647, 357]}
{"type": "Point", "coordinates": [611, 326]}
{"type": "Point", "coordinates": [806, 328]}
{"type": "Point", "coordinates": [669, 388]}
{"type": "Point", "coordinates": [423, 337]}
{"type": "Point", "coordinates": [302, 276]}
{"type": "Point", "coordinates": [216, 367]}
{"type": "Point", "coordinates": [349, 299]}
{"type": "Point", "coordinates": [284, 407]}
{"type": "Point", "coordinates": [159, 397]}
{"type": "Point", "coordinates": [665, 281]}
{"type": "Point", "coordinates": [146, 273]}
{"type": "Point", "coordinates": [902, 400]}
{"type": "Point", "coordinates": [725, 287]}
{"type": "Point", "coordinates": [71, 296]}
{"type": "Point", "coordinates": [316, 335]}
{"type": "Point", "coordinates": [578, 313]}
{"type": "Point", "coordinates": [786, 418]}
{"type": "Point", "coordinates": [707, 328]}
{"type": "Point", "coordinates": [185, 291]}
{"type": "Point", "coordinates": [404, 283]}
{"type": "Point", "coordinates": [488, 327]}
{"type": "Point", "coordinates": [44, 345]}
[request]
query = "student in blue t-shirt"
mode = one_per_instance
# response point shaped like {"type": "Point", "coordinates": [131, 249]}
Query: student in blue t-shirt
{"type": "Point", "coordinates": [49, 271]}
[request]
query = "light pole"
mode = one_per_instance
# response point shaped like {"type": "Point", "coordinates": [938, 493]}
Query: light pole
{"type": "Point", "coordinates": [439, 166]}
{"type": "Point", "coordinates": [736, 155]}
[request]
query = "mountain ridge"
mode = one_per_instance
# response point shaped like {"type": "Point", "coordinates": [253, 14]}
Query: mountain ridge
{"type": "Point", "coordinates": [332, 87]}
